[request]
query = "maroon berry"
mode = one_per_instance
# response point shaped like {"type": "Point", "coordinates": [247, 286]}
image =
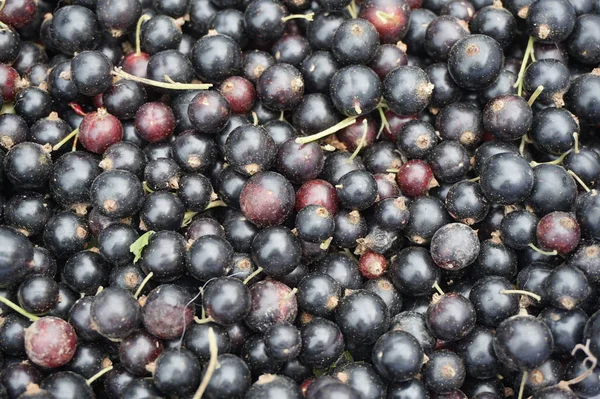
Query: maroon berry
{"type": "Point", "coordinates": [352, 135]}
{"type": "Point", "coordinates": [99, 130]}
{"type": "Point", "coordinates": [9, 79]}
{"type": "Point", "coordinates": [272, 303]}
{"type": "Point", "coordinates": [558, 231]}
{"type": "Point", "coordinates": [50, 342]}
{"type": "Point", "coordinates": [372, 265]}
{"type": "Point", "coordinates": [317, 192]}
{"type": "Point", "coordinates": [415, 178]}
{"type": "Point", "coordinates": [136, 64]}
{"type": "Point", "coordinates": [267, 199]}
{"type": "Point", "coordinates": [395, 123]}
{"type": "Point", "coordinates": [386, 186]}
{"type": "Point", "coordinates": [167, 311]}
{"type": "Point", "coordinates": [155, 122]}
{"type": "Point", "coordinates": [240, 93]}
{"type": "Point", "coordinates": [18, 13]}
{"type": "Point", "coordinates": [390, 18]}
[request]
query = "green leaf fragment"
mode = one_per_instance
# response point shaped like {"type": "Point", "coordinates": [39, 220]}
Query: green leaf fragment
{"type": "Point", "coordinates": [138, 246]}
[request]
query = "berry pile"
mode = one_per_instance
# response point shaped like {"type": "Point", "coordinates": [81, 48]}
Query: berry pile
{"type": "Point", "coordinates": [286, 199]}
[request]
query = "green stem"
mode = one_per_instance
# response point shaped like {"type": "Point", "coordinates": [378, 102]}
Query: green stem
{"type": "Point", "coordinates": [325, 244]}
{"type": "Point", "coordinates": [522, 292]}
{"type": "Point", "coordinates": [143, 284]}
{"type": "Point", "coordinates": [526, 56]}
{"type": "Point", "coordinates": [541, 251]}
{"type": "Point", "coordinates": [438, 288]}
{"type": "Point", "coordinates": [522, 387]}
{"type": "Point", "coordinates": [215, 204]}
{"type": "Point", "coordinates": [524, 140]}
{"type": "Point", "coordinates": [557, 161]}
{"type": "Point", "coordinates": [290, 294]}
{"type": "Point", "coordinates": [576, 146]}
{"type": "Point", "coordinates": [146, 188]}
{"type": "Point", "coordinates": [254, 274]}
{"type": "Point", "coordinates": [66, 139]}
{"type": "Point", "coordinates": [384, 122]}
{"type": "Point", "coordinates": [18, 309]}
{"type": "Point", "coordinates": [362, 140]}
{"type": "Point", "coordinates": [254, 118]}
{"type": "Point", "coordinates": [138, 33]}
{"type": "Point", "coordinates": [308, 17]}
{"type": "Point", "coordinates": [172, 86]}
{"type": "Point", "coordinates": [317, 136]}
{"type": "Point", "coordinates": [535, 95]}
{"type": "Point", "coordinates": [204, 320]}
{"type": "Point", "coordinates": [352, 10]}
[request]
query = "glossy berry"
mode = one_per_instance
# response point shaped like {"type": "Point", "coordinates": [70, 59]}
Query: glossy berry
{"type": "Point", "coordinates": [115, 313]}
{"type": "Point", "coordinates": [28, 166]}
{"type": "Point", "coordinates": [520, 351]}
{"type": "Point", "coordinates": [407, 90]}
{"type": "Point", "coordinates": [90, 72]}
{"type": "Point", "coordinates": [322, 343]}
{"type": "Point", "coordinates": [280, 87]}
{"type": "Point", "coordinates": [138, 350]}
{"type": "Point", "coordinates": [177, 371]}
{"type": "Point", "coordinates": [117, 193]}
{"type": "Point", "coordinates": [359, 310]}
{"type": "Point", "coordinates": [451, 317]}
{"type": "Point", "coordinates": [355, 90]}
{"type": "Point", "coordinates": [208, 257]}
{"type": "Point", "coordinates": [283, 342]}
{"type": "Point", "coordinates": [475, 61]}
{"type": "Point", "coordinates": [271, 304]}
{"type": "Point", "coordinates": [38, 294]}
{"type": "Point", "coordinates": [397, 356]}
{"type": "Point", "coordinates": [209, 112]}
{"type": "Point", "coordinates": [550, 22]}
{"type": "Point", "coordinates": [154, 122]}
{"type": "Point", "coordinates": [250, 149]}
{"type": "Point", "coordinates": [566, 287]}
{"type": "Point", "coordinates": [507, 117]}
{"type": "Point", "coordinates": [506, 179]}
{"type": "Point", "coordinates": [355, 42]}
{"type": "Point", "coordinates": [444, 372]}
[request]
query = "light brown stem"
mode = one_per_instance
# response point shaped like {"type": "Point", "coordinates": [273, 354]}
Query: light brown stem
{"type": "Point", "coordinates": [99, 374]}
{"type": "Point", "coordinates": [172, 86]}
{"type": "Point", "coordinates": [212, 363]}
{"type": "Point", "coordinates": [317, 136]}
{"type": "Point", "coordinates": [522, 292]}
